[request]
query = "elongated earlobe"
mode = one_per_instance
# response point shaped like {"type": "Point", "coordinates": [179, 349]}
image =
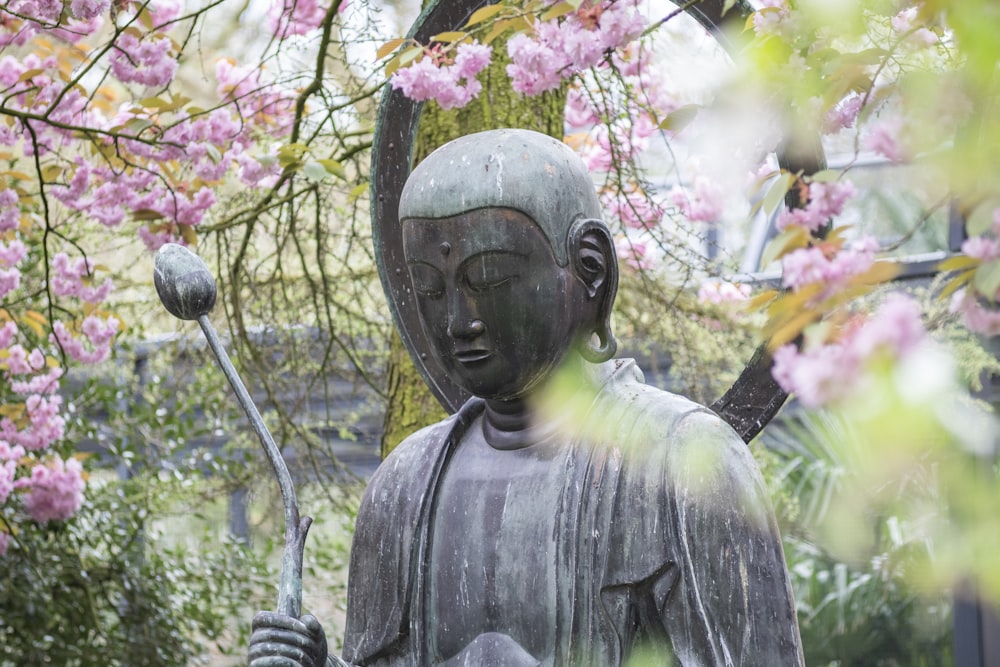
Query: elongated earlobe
{"type": "Point", "coordinates": [593, 255]}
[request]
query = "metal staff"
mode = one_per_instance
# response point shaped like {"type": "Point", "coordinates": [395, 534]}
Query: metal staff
{"type": "Point", "coordinates": [187, 289]}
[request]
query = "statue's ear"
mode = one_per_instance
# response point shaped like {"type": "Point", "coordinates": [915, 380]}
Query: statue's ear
{"type": "Point", "coordinates": [592, 253]}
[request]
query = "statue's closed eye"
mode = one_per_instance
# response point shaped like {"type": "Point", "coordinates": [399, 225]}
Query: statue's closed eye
{"type": "Point", "coordinates": [489, 271]}
{"type": "Point", "coordinates": [427, 280]}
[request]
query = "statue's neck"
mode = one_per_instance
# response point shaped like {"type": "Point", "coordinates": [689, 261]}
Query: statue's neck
{"type": "Point", "coordinates": [507, 424]}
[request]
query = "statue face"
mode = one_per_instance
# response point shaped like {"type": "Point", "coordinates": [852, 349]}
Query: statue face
{"type": "Point", "coordinates": [498, 310]}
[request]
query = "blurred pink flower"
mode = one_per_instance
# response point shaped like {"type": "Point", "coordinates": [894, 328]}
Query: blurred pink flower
{"type": "Point", "coordinates": [982, 248]}
{"type": "Point", "coordinates": [722, 291]}
{"type": "Point", "coordinates": [295, 17]}
{"type": "Point", "coordinates": [978, 317]}
{"type": "Point", "coordinates": [7, 471]}
{"type": "Point", "coordinates": [55, 490]}
{"type": "Point", "coordinates": [703, 200]}
{"type": "Point", "coordinates": [826, 373]}
{"type": "Point", "coordinates": [884, 138]}
{"type": "Point", "coordinates": [826, 201]}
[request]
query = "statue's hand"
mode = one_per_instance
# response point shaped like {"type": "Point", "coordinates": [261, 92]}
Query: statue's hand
{"type": "Point", "coordinates": [283, 641]}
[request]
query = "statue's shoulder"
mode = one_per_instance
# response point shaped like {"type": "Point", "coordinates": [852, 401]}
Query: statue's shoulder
{"type": "Point", "coordinates": [661, 421]}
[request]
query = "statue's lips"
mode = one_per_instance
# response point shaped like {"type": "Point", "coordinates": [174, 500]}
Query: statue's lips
{"type": "Point", "coordinates": [472, 356]}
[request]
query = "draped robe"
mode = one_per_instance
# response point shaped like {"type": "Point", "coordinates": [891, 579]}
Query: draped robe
{"type": "Point", "coordinates": [664, 535]}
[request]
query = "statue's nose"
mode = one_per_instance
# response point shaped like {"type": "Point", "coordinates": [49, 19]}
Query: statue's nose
{"type": "Point", "coordinates": [466, 328]}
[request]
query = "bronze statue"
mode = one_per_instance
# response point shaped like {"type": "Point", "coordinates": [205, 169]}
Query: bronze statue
{"type": "Point", "coordinates": [568, 514]}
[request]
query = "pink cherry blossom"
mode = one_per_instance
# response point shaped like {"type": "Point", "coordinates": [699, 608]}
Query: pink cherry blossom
{"type": "Point", "coordinates": [826, 201]}
{"type": "Point", "coordinates": [98, 332]}
{"type": "Point", "coordinates": [45, 425]}
{"type": "Point", "coordinates": [10, 213]}
{"type": "Point", "coordinates": [147, 61]}
{"type": "Point", "coordinates": [635, 254]}
{"type": "Point", "coordinates": [55, 490]}
{"type": "Point", "coordinates": [7, 471]}
{"type": "Point", "coordinates": [978, 316]}
{"type": "Point", "coordinates": [69, 279]}
{"type": "Point", "coordinates": [883, 138]}
{"type": "Point", "coordinates": [828, 372]}
{"type": "Point", "coordinates": [722, 291]}
{"type": "Point", "coordinates": [982, 248]}
{"type": "Point", "coordinates": [635, 209]}
{"type": "Point", "coordinates": [843, 115]}
{"type": "Point", "coordinates": [702, 201]}
{"type": "Point", "coordinates": [816, 376]}
{"type": "Point", "coordinates": [7, 333]}
{"type": "Point", "coordinates": [451, 86]}
{"type": "Point", "coordinates": [88, 9]}
{"type": "Point", "coordinates": [770, 15]}
{"type": "Point", "coordinates": [807, 266]}
{"type": "Point", "coordinates": [295, 17]}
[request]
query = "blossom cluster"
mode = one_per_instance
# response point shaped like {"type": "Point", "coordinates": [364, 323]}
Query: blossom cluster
{"type": "Point", "coordinates": [824, 373]}
{"type": "Point", "coordinates": [559, 49]}
{"type": "Point", "coordinates": [825, 201]}
{"type": "Point", "coordinates": [450, 81]}
{"type": "Point", "coordinates": [129, 150]}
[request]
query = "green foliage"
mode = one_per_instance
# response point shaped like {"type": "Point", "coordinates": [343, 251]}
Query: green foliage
{"type": "Point", "coordinates": [101, 590]}
{"type": "Point", "coordinates": [863, 606]}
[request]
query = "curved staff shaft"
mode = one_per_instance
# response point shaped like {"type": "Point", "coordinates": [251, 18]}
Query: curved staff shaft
{"type": "Point", "coordinates": [187, 289]}
{"type": "Point", "coordinates": [290, 586]}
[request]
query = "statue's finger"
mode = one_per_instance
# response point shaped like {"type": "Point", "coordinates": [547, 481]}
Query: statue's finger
{"type": "Point", "coordinates": [271, 619]}
{"type": "Point", "coordinates": [282, 636]}
{"type": "Point", "coordinates": [314, 627]}
{"type": "Point", "coordinates": [275, 655]}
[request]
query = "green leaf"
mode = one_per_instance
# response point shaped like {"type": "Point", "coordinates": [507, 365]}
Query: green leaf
{"type": "Point", "coordinates": [959, 281]}
{"type": "Point", "coordinates": [793, 238]}
{"type": "Point", "coordinates": [483, 14]}
{"type": "Point", "coordinates": [958, 263]}
{"type": "Point", "coordinates": [557, 10]}
{"type": "Point", "coordinates": [357, 191]}
{"type": "Point", "coordinates": [333, 167]}
{"type": "Point", "coordinates": [825, 176]}
{"type": "Point", "coordinates": [388, 48]}
{"type": "Point", "coordinates": [314, 171]}
{"type": "Point", "coordinates": [145, 215]}
{"type": "Point", "coordinates": [136, 125]}
{"type": "Point", "coordinates": [449, 36]}
{"type": "Point", "coordinates": [680, 118]}
{"type": "Point", "coordinates": [777, 192]}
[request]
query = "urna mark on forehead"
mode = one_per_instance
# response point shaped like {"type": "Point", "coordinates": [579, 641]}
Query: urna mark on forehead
{"type": "Point", "coordinates": [522, 170]}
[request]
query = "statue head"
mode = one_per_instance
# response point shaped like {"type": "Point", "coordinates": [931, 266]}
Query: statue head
{"type": "Point", "coordinates": [511, 265]}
